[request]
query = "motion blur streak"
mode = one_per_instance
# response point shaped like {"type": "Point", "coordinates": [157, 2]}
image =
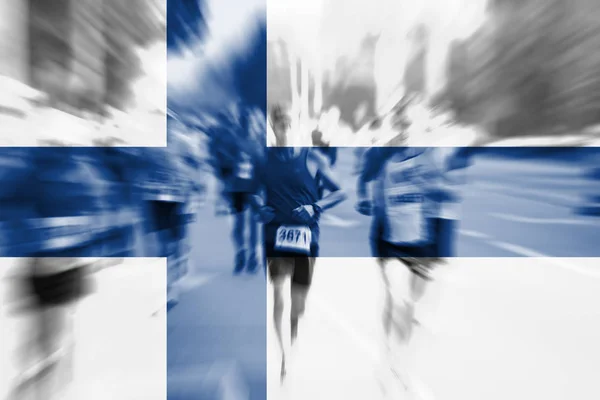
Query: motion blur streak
{"type": "Point", "coordinates": [72, 72]}
{"type": "Point", "coordinates": [83, 88]}
{"type": "Point", "coordinates": [217, 92]}
{"type": "Point", "coordinates": [482, 79]}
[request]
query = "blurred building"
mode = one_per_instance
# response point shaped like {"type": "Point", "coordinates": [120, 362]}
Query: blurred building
{"type": "Point", "coordinates": [13, 38]}
{"type": "Point", "coordinates": [279, 89]}
{"type": "Point", "coordinates": [63, 47]}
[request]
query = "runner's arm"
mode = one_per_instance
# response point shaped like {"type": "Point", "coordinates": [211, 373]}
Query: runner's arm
{"type": "Point", "coordinates": [330, 181]}
{"type": "Point", "coordinates": [374, 159]}
{"type": "Point", "coordinates": [256, 200]}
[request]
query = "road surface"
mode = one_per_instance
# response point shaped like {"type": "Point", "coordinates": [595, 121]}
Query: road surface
{"type": "Point", "coordinates": [491, 329]}
{"type": "Point", "coordinates": [519, 328]}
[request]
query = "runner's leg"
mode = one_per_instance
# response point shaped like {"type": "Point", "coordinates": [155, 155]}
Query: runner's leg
{"type": "Point", "coordinates": [277, 273]}
{"type": "Point", "coordinates": [254, 226]}
{"type": "Point", "coordinates": [420, 270]}
{"type": "Point", "coordinates": [390, 381]}
{"type": "Point", "coordinates": [41, 377]}
{"type": "Point", "coordinates": [301, 280]}
{"type": "Point", "coordinates": [278, 306]}
{"type": "Point", "coordinates": [239, 231]}
{"type": "Point", "coordinates": [417, 289]}
{"type": "Point", "coordinates": [387, 305]}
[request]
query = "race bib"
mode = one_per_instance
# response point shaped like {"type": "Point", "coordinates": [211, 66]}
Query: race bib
{"type": "Point", "coordinates": [296, 239]}
{"type": "Point", "coordinates": [407, 215]}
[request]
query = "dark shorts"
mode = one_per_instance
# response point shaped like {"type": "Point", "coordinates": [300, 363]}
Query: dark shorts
{"type": "Point", "coordinates": [299, 268]}
{"type": "Point", "coordinates": [239, 201]}
{"type": "Point", "coordinates": [419, 259]}
{"type": "Point", "coordinates": [442, 245]}
{"type": "Point", "coordinates": [60, 288]}
{"type": "Point", "coordinates": [383, 249]}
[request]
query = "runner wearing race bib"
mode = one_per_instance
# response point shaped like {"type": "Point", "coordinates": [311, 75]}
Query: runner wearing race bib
{"type": "Point", "coordinates": [291, 213]}
{"type": "Point", "coordinates": [403, 212]}
{"type": "Point", "coordinates": [408, 220]}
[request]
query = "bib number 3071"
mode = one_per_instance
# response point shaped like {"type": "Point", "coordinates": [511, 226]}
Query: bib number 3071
{"type": "Point", "coordinates": [295, 239]}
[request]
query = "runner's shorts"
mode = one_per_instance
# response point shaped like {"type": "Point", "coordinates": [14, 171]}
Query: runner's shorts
{"type": "Point", "coordinates": [239, 201]}
{"type": "Point", "coordinates": [299, 268]}
{"type": "Point", "coordinates": [60, 288]}
{"type": "Point", "coordinates": [419, 259]}
{"type": "Point", "coordinates": [281, 263]}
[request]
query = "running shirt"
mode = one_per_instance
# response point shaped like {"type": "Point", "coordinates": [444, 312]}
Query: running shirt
{"type": "Point", "coordinates": [288, 185]}
{"type": "Point", "coordinates": [402, 193]}
{"type": "Point", "coordinates": [243, 174]}
{"type": "Point", "coordinates": [234, 158]}
{"type": "Point", "coordinates": [404, 199]}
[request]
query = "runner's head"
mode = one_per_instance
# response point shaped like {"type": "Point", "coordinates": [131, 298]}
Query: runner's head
{"type": "Point", "coordinates": [280, 121]}
{"type": "Point", "coordinates": [317, 138]}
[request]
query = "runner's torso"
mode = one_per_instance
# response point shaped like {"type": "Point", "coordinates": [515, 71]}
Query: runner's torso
{"type": "Point", "coordinates": [288, 184]}
{"type": "Point", "coordinates": [401, 199]}
{"type": "Point", "coordinates": [242, 179]}
{"type": "Point", "coordinates": [236, 166]}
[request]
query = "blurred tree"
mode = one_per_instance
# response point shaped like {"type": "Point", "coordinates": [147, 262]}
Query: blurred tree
{"type": "Point", "coordinates": [531, 70]}
{"type": "Point", "coordinates": [352, 86]}
{"type": "Point", "coordinates": [128, 26]}
{"type": "Point", "coordinates": [49, 48]}
{"type": "Point", "coordinates": [414, 74]}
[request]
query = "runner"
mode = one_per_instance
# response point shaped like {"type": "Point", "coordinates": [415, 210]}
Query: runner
{"type": "Point", "coordinates": [234, 157]}
{"type": "Point", "coordinates": [404, 208]}
{"type": "Point", "coordinates": [291, 213]}
{"type": "Point", "coordinates": [64, 230]}
{"type": "Point", "coordinates": [53, 285]}
{"type": "Point", "coordinates": [243, 186]}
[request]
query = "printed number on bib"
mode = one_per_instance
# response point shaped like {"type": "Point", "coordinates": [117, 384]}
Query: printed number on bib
{"type": "Point", "coordinates": [296, 239]}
